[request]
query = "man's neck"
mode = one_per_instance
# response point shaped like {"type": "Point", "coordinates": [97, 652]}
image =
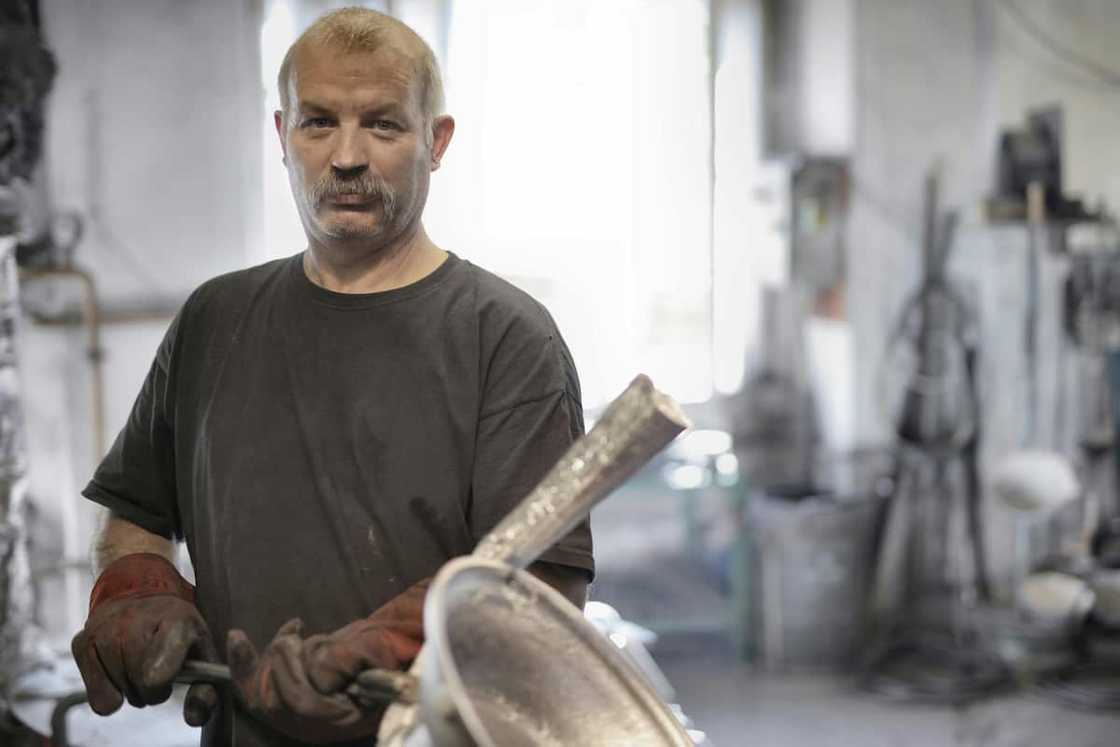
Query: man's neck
{"type": "Point", "coordinates": [393, 267]}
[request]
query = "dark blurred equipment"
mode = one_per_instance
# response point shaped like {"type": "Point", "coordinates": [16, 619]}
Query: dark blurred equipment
{"type": "Point", "coordinates": [26, 72]}
{"type": "Point", "coordinates": [812, 556]}
{"type": "Point", "coordinates": [935, 667]}
{"type": "Point", "coordinates": [1092, 323]}
{"type": "Point", "coordinates": [1086, 687]}
{"type": "Point", "coordinates": [56, 246]}
{"type": "Point", "coordinates": [930, 576]}
{"type": "Point", "coordinates": [1033, 155]}
{"type": "Point", "coordinates": [929, 391]}
{"type": "Point", "coordinates": [773, 423]}
{"type": "Point", "coordinates": [933, 400]}
{"type": "Point", "coordinates": [1092, 297]}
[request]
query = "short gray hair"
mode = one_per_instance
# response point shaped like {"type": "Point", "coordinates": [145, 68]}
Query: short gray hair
{"type": "Point", "coordinates": [365, 30]}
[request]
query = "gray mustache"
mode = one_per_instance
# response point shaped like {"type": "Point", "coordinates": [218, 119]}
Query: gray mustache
{"type": "Point", "coordinates": [368, 186]}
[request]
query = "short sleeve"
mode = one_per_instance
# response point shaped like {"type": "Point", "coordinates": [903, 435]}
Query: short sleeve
{"type": "Point", "coordinates": [534, 413]}
{"type": "Point", "coordinates": [515, 448]}
{"type": "Point", "coordinates": [136, 479]}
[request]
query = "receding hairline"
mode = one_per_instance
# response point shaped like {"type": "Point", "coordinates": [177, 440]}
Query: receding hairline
{"type": "Point", "coordinates": [360, 30]}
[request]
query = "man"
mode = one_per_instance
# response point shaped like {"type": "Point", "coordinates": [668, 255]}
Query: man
{"type": "Point", "coordinates": [325, 431]}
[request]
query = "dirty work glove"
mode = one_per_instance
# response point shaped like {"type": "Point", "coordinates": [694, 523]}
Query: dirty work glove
{"type": "Point", "coordinates": [273, 688]}
{"type": "Point", "coordinates": [142, 624]}
{"type": "Point", "coordinates": [390, 638]}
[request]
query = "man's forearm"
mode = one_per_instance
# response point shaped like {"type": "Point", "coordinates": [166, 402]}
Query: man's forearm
{"type": "Point", "coordinates": [119, 537]}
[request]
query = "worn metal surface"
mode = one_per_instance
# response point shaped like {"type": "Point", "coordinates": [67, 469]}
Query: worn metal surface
{"type": "Point", "coordinates": [631, 430]}
{"type": "Point", "coordinates": [634, 427]}
{"type": "Point", "coordinates": [509, 659]}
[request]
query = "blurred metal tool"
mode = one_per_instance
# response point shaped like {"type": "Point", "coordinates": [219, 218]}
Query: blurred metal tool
{"type": "Point", "coordinates": [929, 580]}
{"type": "Point", "coordinates": [931, 396]}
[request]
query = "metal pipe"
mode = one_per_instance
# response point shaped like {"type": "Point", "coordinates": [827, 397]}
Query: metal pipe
{"type": "Point", "coordinates": [91, 316]}
{"type": "Point", "coordinates": [60, 732]}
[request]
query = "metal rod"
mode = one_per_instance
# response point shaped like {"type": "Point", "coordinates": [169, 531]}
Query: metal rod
{"type": "Point", "coordinates": [372, 687]}
{"type": "Point", "coordinates": [194, 670]}
{"type": "Point", "coordinates": [634, 427]}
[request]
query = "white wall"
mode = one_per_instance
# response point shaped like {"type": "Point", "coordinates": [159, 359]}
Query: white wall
{"type": "Point", "coordinates": [150, 134]}
{"type": "Point", "coordinates": [57, 393]}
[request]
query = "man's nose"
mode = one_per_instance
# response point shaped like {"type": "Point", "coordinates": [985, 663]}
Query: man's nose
{"type": "Point", "coordinates": [349, 154]}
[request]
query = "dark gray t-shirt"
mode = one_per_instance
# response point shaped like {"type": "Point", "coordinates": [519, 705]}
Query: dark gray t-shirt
{"type": "Point", "coordinates": [320, 452]}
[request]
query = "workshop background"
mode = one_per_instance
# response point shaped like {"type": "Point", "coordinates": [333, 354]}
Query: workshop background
{"type": "Point", "coordinates": [870, 245]}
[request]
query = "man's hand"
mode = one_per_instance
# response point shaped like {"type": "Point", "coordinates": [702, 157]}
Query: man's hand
{"type": "Point", "coordinates": [273, 686]}
{"type": "Point", "coordinates": [142, 625]}
{"type": "Point", "coordinates": [390, 638]}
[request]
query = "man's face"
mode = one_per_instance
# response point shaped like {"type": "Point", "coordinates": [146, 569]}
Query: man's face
{"type": "Point", "coordinates": [356, 147]}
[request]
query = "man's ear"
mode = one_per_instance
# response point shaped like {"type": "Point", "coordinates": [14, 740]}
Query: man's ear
{"type": "Point", "coordinates": [443, 127]}
{"type": "Point", "coordinates": [278, 118]}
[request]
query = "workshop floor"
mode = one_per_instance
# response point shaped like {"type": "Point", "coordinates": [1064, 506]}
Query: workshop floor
{"type": "Point", "coordinates": [740, 708]}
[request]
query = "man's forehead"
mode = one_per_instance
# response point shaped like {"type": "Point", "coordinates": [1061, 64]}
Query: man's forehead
{"type": "Point", "coordinates": [314, 64]}
{"type": "Point", "coordinates": [336, 80]}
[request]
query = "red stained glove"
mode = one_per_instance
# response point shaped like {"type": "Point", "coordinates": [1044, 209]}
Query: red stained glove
{"type": "Point", "coordinates": [390, 638]}
{"type": "Point", "coordinates": [142, 625]}
{"type": "Point", "coordinates": [273, 687]}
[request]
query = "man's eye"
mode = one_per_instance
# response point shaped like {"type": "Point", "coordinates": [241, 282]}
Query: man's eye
{"type": "Point", "coordinates": [316, 122]}
{"type": "Point", "coordinates": [385, 124]}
